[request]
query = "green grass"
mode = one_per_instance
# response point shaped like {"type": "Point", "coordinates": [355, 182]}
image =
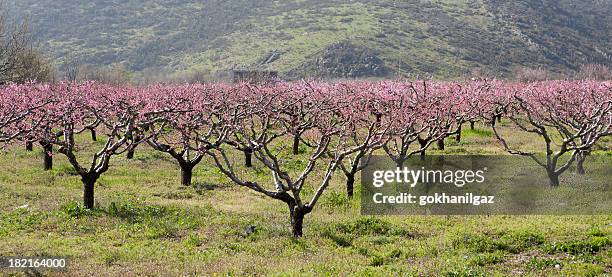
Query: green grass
{"type": "Point", "coordinates": [145, 223]}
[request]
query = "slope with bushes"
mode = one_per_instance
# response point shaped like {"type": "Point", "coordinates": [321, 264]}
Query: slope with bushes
{"type": "Point", "coordinates": [300, 38]}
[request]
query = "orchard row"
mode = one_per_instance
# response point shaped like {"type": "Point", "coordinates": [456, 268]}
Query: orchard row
{"type": "Point", "coordinates": [341, 125]}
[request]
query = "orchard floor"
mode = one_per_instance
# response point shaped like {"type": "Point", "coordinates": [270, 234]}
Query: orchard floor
{"type": "Point", "coordinates": [145, 223]}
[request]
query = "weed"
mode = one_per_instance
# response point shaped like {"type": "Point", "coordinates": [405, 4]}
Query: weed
{"type": "Point", "coordinates": [514, 242]}
{"type": "Point", "coordinates": [111, 257]}
{"type": "Point", "coordinates": [377, 261]}
{"type": "Point", "coordinates": [380, 240]}
{"type": "Point", "coordinates": [544, 263]}
{"type": "Point", "coordinates": [394, 254]}
{"type": "Point", "coordinates": [578, 247]}
{"type": "Point", "coordinates": [477, 133]}
{"type": "Point", "coordinates": [371, 226]}
{"type": "Point", "coordinates": [74, 209]}
{"type": "Point", "coordinates": [486, 259]}
{"type": "Point", "coordinates": [335, 199]}
{"type": "Point", "coordinates": [338, 238]}
{"type": "Point", "coordinates": [466, 271]}
{"type": "Point", "coordinates": [180, 194]}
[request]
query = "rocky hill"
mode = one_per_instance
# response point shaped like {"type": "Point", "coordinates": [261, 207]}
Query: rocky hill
{"type": "Point", "coordinates": [331, 38]}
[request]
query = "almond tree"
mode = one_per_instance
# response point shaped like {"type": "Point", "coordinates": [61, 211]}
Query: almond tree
{"type": "Point", "coordinates": [469, 111]}
{"type": "Point", "coordinates": [121, 111]}
{"type": "Point", "coordinates": [426, 114]}
{"type": "Point", "coordinates": [370, 112]}
{"type": "Point", "coordinates": [405, 131]}
{"type": "Point", "coordinates": [582, 155]}
{"type": "Point", "coordinates": [298, 118]}
{"type": "Point", "coordinates": [458, 106]}
{"type": "Point", "coordinates": [243, 96]}
{"type": "Point", "coordinates": [18, 105]}
{"type": "Point", "coordinates": [577, 113]}
{"type": "Point", "coordinates": [193, 125]}
{"type": "Point", "coordinates": [261, 126]}
{"type": "Point", "coordinates": [21, 109]}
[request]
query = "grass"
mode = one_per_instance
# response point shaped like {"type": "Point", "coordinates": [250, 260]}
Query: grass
{"type": "Point", "coordinates": [145, 223]}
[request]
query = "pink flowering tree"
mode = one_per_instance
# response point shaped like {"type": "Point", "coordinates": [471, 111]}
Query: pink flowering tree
{"type": "Point", "coordinates": [458, 105]}
{"type": "Point", "coordinates": [298, 118]}
{"type": "Point", "coordinates": [369, 112]}
{"type": "Point", "coordinates": [194, 126]}
{"type": "Point", "coordinates": [121, 112]}
{"type": "Point", "coordinates": [467, 97]}
{"type": "Point", "coordinates": [569, 117]}
{"type": "Point", "coordinates": [260, 126]}
{"type": "Point", "coordinates": [425, 114]}
{"type": "Point", "coordinates": [244, 95]}
{"type": "Point", "coordinates": [23, 112]}
{"type": "Point", "coordinates": [19, 105]}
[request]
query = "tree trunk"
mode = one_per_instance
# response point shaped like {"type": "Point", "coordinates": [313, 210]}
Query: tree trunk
{"type": "Point", "coordinates": [132, 146]}
{"type": "Point", "coordinates": [580, 163]}
{"type": "Point", "coordinates": [88, 191]}
{"type": "Point", "coordinates": [378, 117]}
{"type": "Point", "coordinates": [248, 158]}
{"type": "Point", "coordinates": [29, 145]}
{"type": "Point", "coordinates": [297, 221]}
{"type": "Point", "coordinates": [186, 174]}
{"type": "Point", "coordinates": [458, 138]}
{"type": "Point", "coordinates": [472, 125]}
{"type": "Point", "coordinates": [296, 144]}
{"type": "Point", "coordinates": [400, 162]}
{"type": "Point", "coordinates": [130, 154]}
{"type": "Point", "coordinates": [422, 143]}
{"type": "Point", "coordinates": [94, 137]}
{"type": "Point", "coordinates": [554, 179]}
{"type": "Point", "coordinates": [350, 184]}
{"type": "Point", "coordinates": [499, 118]}
{"type": "Point", "coordinates": [47, 155]}
{"type": "Point", "coordinates": [440, 144]}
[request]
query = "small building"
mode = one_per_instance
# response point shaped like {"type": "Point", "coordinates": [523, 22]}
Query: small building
{"type": "Point", "coordinates": [254, 76]}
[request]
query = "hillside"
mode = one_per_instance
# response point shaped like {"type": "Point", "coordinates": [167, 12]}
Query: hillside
{"type": "Point", "coordinates": [334, 38]}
